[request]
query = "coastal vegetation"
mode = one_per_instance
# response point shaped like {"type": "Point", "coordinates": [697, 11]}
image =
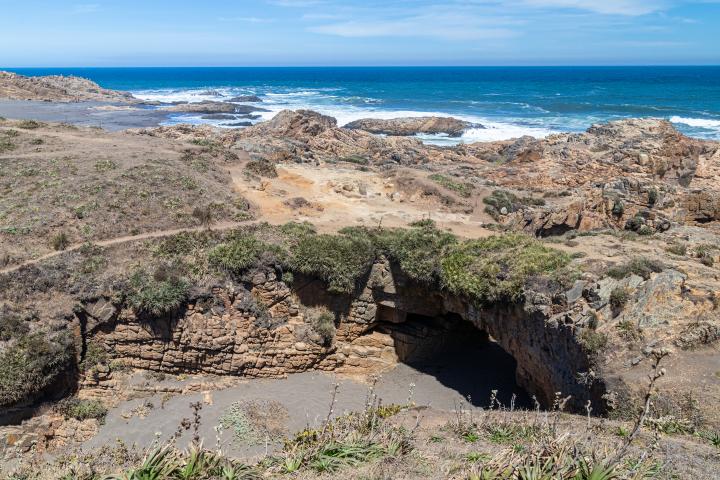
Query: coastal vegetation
{"type": "Point", "coordinates": [487, 270]}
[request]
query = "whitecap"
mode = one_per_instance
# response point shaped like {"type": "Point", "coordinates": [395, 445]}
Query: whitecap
{"type": "Point", "coordinates": [697, 122]}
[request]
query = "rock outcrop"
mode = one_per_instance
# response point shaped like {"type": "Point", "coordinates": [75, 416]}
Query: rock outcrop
{"type": "Point", "coordinates": [412, 126]}
{"type": "Point", "coordinates": [213, 108]}
{"type": "Point", "coordinates": [58, 88]}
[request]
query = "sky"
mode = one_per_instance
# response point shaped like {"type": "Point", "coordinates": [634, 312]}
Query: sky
{"type": "Point", "coordinates": [57, 33]}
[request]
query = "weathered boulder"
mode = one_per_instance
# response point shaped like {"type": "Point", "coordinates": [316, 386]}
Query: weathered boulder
{"type": "Point", "coordinates": [412, 126]}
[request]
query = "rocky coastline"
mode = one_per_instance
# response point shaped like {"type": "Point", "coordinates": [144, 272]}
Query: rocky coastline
{"type": "Point", "coordinates": [297, 245]}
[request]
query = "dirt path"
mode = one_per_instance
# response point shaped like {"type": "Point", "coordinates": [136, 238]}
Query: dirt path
{"type": "Point", "coordinates": [332, 198]}
{"type": "Point", "coordinates": [126, 239]}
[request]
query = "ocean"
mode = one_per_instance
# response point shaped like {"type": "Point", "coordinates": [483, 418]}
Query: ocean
{"type": "Point", "coordinates": [507, 101]}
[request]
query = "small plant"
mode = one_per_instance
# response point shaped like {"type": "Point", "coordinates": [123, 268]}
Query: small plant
{"type": "Point", "coordinates": [629, 331]}
{"type": "Point", "coordinates": [712, 437]}
{"type": "Point", "coordinates": [95, 355]}
{"type": "Point", "coordinates": [618, 208]}
{"type": "Point", "coordinates": [642, 267]}
{"type": "Point", "coordinates": [463, 189]}
{"type": "Point", "coordinates": [323, 323]}
{"type": "Point", "coordinates": [105, 165]}
{"type": "Point", "coordinates": [594, 341]}
{"type": "Point", "coordinates": [160, 293]}
{"type": "Point", "coordinates": [6, 145]}
{"type": "Point", "coordinates": [679, 249]}
{"type": "Point", "coordinates": [82, 409]}
{"type": "Point", "coordinates": [60, 241]}
{"type": "Point", "coordinates": [204, 216]}
{"type": "Point", "coordinates": [239, 254]}
{"type": "Point", "coordinates": [30, 124]}
{"type": "Point", "coordinates": [652, 196]}
{"type": "Point", "coordinates": [356, 159]}
{"type": "Point", "coordinates": [705, 253]}
{"type": "Point", "coordinates": [619, 297]}
{"type": "Point", "coordinates": [502, 202]}
{"type": "Point", "coordinates": [261, 168]}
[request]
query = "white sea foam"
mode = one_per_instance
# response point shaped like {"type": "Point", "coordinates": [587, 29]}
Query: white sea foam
{"type": "Point", "coordinates": [323, 101]}
{"type": "Point", "coordinates": [697, 122]}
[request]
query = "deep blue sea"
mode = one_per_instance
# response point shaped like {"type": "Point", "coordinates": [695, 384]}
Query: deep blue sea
{"type": "Point", "coordinates": [508, 101]}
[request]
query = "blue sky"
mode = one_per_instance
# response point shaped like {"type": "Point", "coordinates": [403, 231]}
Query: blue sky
{"type": "Point", "coordinates": [357, 32]}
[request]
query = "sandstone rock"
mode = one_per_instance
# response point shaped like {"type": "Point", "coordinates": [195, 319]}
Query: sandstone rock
{"type": "Point", "coordinates": [412, 126]}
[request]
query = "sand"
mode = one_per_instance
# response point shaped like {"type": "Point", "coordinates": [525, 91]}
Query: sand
{"type": "Point", "coordinates": [451, 379]}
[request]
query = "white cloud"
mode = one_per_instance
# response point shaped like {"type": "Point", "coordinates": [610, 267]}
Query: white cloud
{"type": "Point", "coordinates": [606, 7]}
{"type": "Point", "coordinates": [455, 27]}
{"type": "Point", "coordinates": [247, 19]}
{"type": "Point", "coordinates": [86, 8]}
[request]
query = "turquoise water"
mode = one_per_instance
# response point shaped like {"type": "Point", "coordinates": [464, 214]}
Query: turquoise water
{"type": "Point", "coordinates": [508, 101]}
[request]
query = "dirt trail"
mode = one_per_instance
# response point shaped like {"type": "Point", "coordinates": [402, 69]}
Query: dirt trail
{"type": "Point", "coordinates": [334, 197]}
{"type": "Point", "coordinates": [125, 239]}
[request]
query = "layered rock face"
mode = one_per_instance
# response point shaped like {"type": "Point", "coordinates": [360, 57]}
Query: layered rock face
{"type": "Point", "coordinates": [265, 329]}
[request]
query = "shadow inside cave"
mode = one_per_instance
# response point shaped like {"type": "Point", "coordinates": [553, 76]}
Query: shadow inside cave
{"type": "Point", "coordinates": [461, 358]}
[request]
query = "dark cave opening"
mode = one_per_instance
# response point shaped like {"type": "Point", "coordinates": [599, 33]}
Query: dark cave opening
{"type": "Point", "coordinates": [457, 354]}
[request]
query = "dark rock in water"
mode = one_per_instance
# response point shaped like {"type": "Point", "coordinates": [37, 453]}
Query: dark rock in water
{"type": "Point", "coordinates": [237, 124]}
{"type": "Point", "coordinates": [246, 99]}
{"type": "Point", "coordinates": [218, 116]}
{"type": "Point", "coordinates": [249, 116]}
{"type": "Point", "coordinates": [245, 109]}
{"type": "Point", "coordinates": [412, 126]}
{"type": "Point", "coordinates": [203, 107]}
{"type": "Point", "coordinates": [211, 93]}
{"type": "Point", "coordinates": [214, 107]}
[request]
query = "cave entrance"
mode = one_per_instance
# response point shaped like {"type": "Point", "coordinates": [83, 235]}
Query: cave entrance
{"type": "Point", "coordinates": [456, 353]}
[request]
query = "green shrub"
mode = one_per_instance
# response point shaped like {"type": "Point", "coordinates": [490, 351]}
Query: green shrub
{"type": "Point", "coordinates": [239, 254]}
{"type": "Point", "coordinates": [705, 253]}
{"type": "Point", "coordinates": [323, 323]}
{"type": "Point", "coordinates": [30, 124]}
{"type": "Point", "coordinates": [12, 324]}
{"type": "Point", "coordinates": [356, 159]}
{"type": "Point", "coordinates": [95, 355]}
{"type": "Point", "coordinates": [463, 189]}
{"type": "Point", "coordinates": [652, 196]}
{"type": "Point", "coordinates": [618, 208]}
{"type": "Point", "coordinates": [629, 331]}
{"type": "Point", "coordinates": [340, 260]}
{"type": "Point", "coordinates": [677, 249]}
{"type": "Point", "coordinates": [33, 363]}
{"type": "Point", "coordinates": [261, 168]}
{"type": "Point", "coordinates": [60, 241]}
{"type": "Point", "coordinates": [159, 293]}
{"type": "Point", "coordinates": [496, 268]}
{"type": "Point", "coordinates": [642, 267]}
{"type": "Point", "coordinates": [635, 223]}
{"type": "Point", "coordinates": [105, 165]}
{"type": "Point", "coordinates": [416, 250]}
{"type": "Point", "coordinates": [82, 409]}
{"type": "Point", "coordinates": [619, 297]}
{"type": "Point", "coordinates": [499, 199]}
{"type": "Point", "coordinates": [6, 145]}
{"type": "Point", "coordinates": [204, 215]}
{"type": "Point", "coordinates": [593, 341]}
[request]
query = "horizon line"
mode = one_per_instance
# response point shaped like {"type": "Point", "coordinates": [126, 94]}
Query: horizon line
{"type": "Point", "coordinates": [620, 65]}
